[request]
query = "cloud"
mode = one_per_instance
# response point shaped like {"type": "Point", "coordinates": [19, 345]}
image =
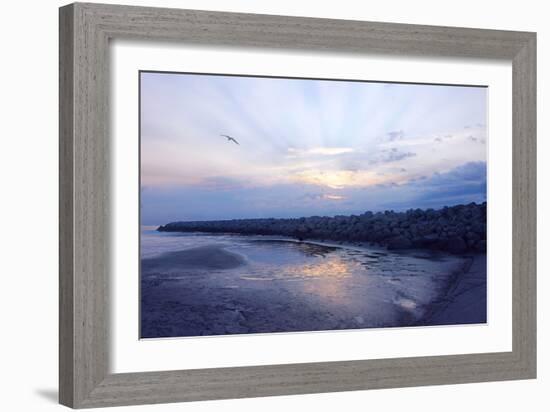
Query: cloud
{"type": "Point", "coordinates": [323, 196]}
{"type": "Point", "coordinates": [463, 184]}
{"type": "Point", "coordinates": [468, 172]}
{"type": "Point", "coordinates": [323, 151]}
{"type": "Point", "coordinates": [392, 155]}
{"type": "Point", "coordinates": [395, 135]}
{"type": "Point", "coordinates": [333, 197]}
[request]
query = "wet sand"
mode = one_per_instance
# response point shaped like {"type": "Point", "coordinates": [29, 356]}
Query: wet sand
{"type": "Point", "coordinates": [280, 285]}
{"type": "Point", "coordinates": [203, 257]}
{"type": "Point", "coordinates": [465, 300]}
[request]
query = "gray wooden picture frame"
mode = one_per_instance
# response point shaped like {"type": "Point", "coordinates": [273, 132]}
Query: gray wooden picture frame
{"type": "Point", "coordinates": [85, 31]}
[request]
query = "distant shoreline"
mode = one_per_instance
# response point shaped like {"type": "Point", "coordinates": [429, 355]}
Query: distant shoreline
{"type": "Point", "coordinates": [457, 229]}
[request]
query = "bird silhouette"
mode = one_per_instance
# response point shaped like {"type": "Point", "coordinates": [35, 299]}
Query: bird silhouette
{"type": "Point", "coordinates": [230, 139]}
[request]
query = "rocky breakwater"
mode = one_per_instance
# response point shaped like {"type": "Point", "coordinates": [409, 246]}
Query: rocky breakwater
{"type": "Point", "coordinates": [456, 229]}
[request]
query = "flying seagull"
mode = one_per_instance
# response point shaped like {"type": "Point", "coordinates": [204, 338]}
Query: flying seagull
{"type": "Point", "coordinates": [230, 139]}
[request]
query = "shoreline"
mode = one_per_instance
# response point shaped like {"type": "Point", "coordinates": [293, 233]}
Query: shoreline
{"type": "Point", "coordinates": [357, 246]}
{"type": "Point", "coordinates": [464, 296]}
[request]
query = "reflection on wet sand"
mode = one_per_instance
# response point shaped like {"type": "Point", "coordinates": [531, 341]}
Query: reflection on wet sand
{"type": "Point", "coordinates": [328, 278]}
{"type": "Point", "coordinates": [279, 285]}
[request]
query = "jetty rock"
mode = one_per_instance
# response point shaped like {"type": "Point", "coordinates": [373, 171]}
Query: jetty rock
{"type": "Point", "coordinates": [456, 229]}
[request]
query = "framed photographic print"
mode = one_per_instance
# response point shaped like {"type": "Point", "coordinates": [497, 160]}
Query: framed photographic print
{"type": "Point", "coordinates": [257, 205]}
{"type": "Point", "coordinates": [276, 230]}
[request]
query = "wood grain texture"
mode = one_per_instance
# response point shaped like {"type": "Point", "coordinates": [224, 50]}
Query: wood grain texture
{"type": "Point", "coordinates": [66, 229]}
{"type": "Point", "coordinates": [84, 160]}
{"type": "Point", "coordinates": [85, 31]}
{"type": "Point", "coordinates": [524, 225]}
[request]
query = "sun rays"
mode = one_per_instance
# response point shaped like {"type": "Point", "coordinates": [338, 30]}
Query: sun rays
{"type": "Point", "coordinates": [305, 146]}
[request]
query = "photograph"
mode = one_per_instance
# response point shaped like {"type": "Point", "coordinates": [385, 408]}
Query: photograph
{"type": "Point", "coordinates": [292, 205]}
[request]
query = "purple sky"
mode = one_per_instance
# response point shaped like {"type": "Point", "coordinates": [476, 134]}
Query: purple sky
{"type": "Point", "coordinates": [307, 147]}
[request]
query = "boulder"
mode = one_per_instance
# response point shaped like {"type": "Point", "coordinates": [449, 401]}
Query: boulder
{"type": "Point", "coordinates": [456, 245]}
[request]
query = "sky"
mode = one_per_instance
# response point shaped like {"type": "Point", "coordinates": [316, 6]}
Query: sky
{"type": "Point", "coordinates": [306, 147]}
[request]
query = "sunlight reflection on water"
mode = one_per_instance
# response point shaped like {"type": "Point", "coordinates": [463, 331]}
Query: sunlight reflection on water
{"type": "Point", "coordinates": [352, 286]}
